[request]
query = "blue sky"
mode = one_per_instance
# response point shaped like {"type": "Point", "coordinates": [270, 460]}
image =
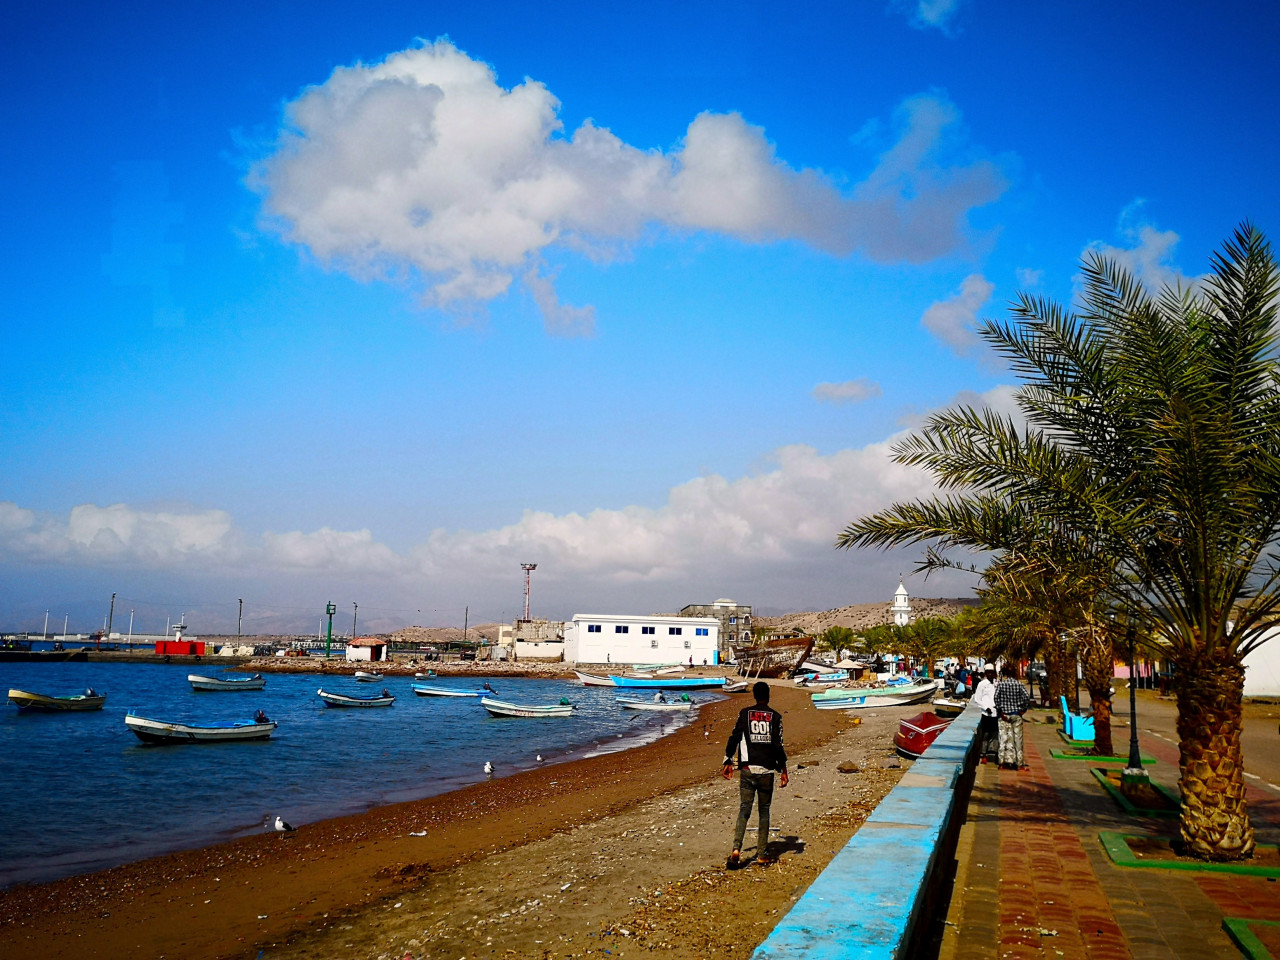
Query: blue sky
{"type": "Point", "coordinates": [312, 302]}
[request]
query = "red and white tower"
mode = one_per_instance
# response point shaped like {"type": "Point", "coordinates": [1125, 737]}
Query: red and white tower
{"type": "Point", "coordinates": [528, 568]}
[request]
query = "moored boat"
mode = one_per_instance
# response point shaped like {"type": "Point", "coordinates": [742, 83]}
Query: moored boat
{"type": "Point", "coordinates": [256, 682]}
{"type": "Point", "coordinates": [426, 690]}
{"type": "Point", "coordinates": [668, 683]}
{"type": "Point", "coordinates": [364, 676]}
{"type": "Point", "coordinates": [26, 700]}
{"type": "Point", "coordinates": [163, 731]}
{"type": "Point", "coordinates": [342, 700]}
{"type": "Point", "coordinates": [499, 708]}
{"type": "Point", "coordinates": [634, 703]}
{"type": "Point", "coordinates": [738, 686]}
{"type": "Point", "coordinates": [777, 659]}
{"type": "Point", "coordinates": [915, 734]}
{"type": "Point", "coordinates": [880, 690]}
{"type": "Point", "coordinates": [854, 699]}
{"type": "Point", "coordinates": [594, 680]}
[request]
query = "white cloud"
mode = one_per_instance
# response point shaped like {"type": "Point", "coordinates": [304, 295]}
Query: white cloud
{"type": "Point", "coordinates": [924, 14]}
{"type": "Point", "coordinates": [1029, 279]}
{"type": "Point", "coordinates": [422, 167]}
{"type": "Point", "coordinates": [954, 321]}
{"type": "Point", "coordinates": [850, 391]}
{"type": "Point", "coordinates": [1146, 252]}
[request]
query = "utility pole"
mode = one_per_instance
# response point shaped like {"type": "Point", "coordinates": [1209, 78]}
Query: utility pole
{"type": "Point", "coordinates": [111, 615]}
{"type": "Point", "coordinates": [466, 616]}
{"type": "Point", "coordinates": [239, 618]}
{"type": "Point", "coordinates": [45, 633]}
{"type": "Point", "coordinates": [130, 626]}
{"type": "Point", "coordinates": [355, 608]}
{"type": "Point", "coordinates": [64, 627]}
{"type": "Point", "coordinates": [528, 568]}
{"type": "Point", "coordinates": [330, 608]}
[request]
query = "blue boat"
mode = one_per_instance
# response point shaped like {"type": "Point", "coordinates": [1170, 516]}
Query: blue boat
{"type": "Point", "coordinates": [669, 683]}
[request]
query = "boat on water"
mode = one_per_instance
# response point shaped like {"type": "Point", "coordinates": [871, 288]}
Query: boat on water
{"type": "Point", "coordinates": [429, 675]}
{"type": "Point", "coordinates": [915, 734]}
{"type": "Point", "coordinates": [668, 683]}
{"type": "Point", "coordinates": [162, 731]}
{"type": "Point", "coordinates": [385, 699]}
{"type": "Point", "coordinates": [854, 699]}
{"type": "Point", "coordinates": [634, 703]}
{"type": "Point", "coordinates": [777, 659]}
{"type": "Point", "coordinates": [26, 700]}
{"type": "Point", "coordinates": [364, 676]}
{"type": "Point", "coordinates": [256, 682]}
{"type": "Point", "coordinates": [499, 708]}
{"type": "Point", "coordinates": [594, 680]}
{"type": "Point", "coordinates": [426, 690]}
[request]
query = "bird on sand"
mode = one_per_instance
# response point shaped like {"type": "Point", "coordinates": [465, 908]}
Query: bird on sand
{"type": "Point", "coordinates": [283, 826]}
{"type": "Point", "coordinates": [488, 768]}
{"type": "Point", "coordinates": [539, 758]}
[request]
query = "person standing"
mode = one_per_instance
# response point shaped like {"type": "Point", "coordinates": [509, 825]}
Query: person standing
{"type": "Point", "coordinates": [756, 744]}
{"type": "Point", "coordinates": [1012, 701]}
{"type": "Point", "coordinates": [985, 697]}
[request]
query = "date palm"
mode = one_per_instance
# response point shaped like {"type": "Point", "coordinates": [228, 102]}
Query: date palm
{"type": "Point", "coordinates": [1150, 442]}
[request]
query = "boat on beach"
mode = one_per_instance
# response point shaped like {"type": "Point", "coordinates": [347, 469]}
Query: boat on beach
{"type": "Point", "coordinates": [256, 682]}
{"type": "Point", "coordinates": [668, 683]}
{"type": "Point", "coordinates": [945, 707]}
{"type": "Point", "coordinates": [162, 731]}
{"type": "Point", "coordinates": [777, 659]}
{"type": "Point", "coordinates": [384, 699]}
{"type": "Point", "coordinates": [915, 734]}
{"type": "Point", "coordinates": [499, 708]}
{"type": "Point", "coordinates": [43, 702]}
{"type": "Point", "coordinates": [426, 690]}
{"type": "Point", "coordinates": [856, 699]}
{"type": "Point", "coordinates": [737, 686]}
{"type": "Point", "coordinates": [594, 680]}
{"type": "Point", "coordinates": [634, 703]}
{"type": "Point", "coordinates": [364, 676]}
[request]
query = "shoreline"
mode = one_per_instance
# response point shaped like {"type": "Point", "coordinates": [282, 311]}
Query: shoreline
{"type": "Point", "coordinates": [214, 902]}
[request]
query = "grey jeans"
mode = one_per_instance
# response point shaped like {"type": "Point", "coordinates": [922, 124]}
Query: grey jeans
{"type": "Point", "coordinates": [750, 787]}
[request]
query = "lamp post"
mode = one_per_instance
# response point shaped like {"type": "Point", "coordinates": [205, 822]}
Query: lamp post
{"type": "Point", "coordinates": [1133, 771]}
{"type": "Point", "coordinates": [330, 608]}
{"type": "Point", "coordinates": [239, 618]}
{"type": "Point", "coordinates": [355, 608]}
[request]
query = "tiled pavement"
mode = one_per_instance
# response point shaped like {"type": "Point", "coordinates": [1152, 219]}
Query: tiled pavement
{"type": "Point", "coordinates": [1033, 880]}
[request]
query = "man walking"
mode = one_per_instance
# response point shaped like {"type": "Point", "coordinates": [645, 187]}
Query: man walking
{"type": "Point", "coordinates": [985, 697]}
{"type": "Point", "coordinates": [756, 743]}
{"type": "Point", "coordinates": [1012, 701]}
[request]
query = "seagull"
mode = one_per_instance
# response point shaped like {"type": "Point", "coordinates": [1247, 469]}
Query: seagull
{"type": "Point", "coordinates": [488, 768]}
{"type": "Point", "coordinates": [539, 758]}
{"type": "Point", "coordinates": [283, 826]}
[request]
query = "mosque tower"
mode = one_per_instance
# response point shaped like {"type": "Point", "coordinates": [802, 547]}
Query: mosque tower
{"type": "Point", "coordinates": [901, 608]}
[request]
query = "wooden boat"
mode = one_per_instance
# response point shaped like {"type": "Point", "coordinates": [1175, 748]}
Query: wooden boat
{"type": "Point", "coordinates": [342, 700]}
{"type": "Point", "coordinates": [915, 734]}
{"type": "Point", "coordinates": [501, 709]}
{"type": "Point", "coordinates": [89, 700]}
{"type": "Point", "coordinates": [592, 680]}
{"type": "Point", "coordinates": [668, 683]}
{"type": "Point", "coordinates": [852, 699]}
{"type": "Point", "coordinates": [256, 682]}
{"type": "Point", "coordinates": [633, 703]}
{"type": "Point", "coordinates": [160, 731]}
{"type": "Point", "coordinates": [424, 690]}
{"type": "Point", "coordinates": [774, 659]}
{"type": "Point", "coordinates": [365, 676]}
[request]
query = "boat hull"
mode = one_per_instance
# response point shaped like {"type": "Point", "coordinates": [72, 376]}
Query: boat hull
{"type": "Point", "coordinates": [223, 684]}
{"type": "Point", "coordinates": [423, 690]}
{"type": "Point", "coordinates": [499, 708]}
{"type": "Point", "coordinates": [668, 683]}
{"type": "Point", "coordinates": [777, 659]}
{"type": "Point", "coordinates": [363, 677]}
{"type": "Point", "coordinates": [342, 700]}
{"type": "Point", "coordinates": [43, 703]}
{"type": "Point", "coordinates": [593, 680]}
{"type": "Point", "coordinates": [160, 731]}
{"type": "Point", "coordinates": [629, 703]}
{"type": "Point", "coordinates": [881, 692]}
{"type": "Point", "coordinates": [916, 734]}
{"type": "Point", "coordinates": [863, 701]}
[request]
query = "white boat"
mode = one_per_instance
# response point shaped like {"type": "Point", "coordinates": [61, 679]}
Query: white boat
{"type": "Point", "coordinates": [593, 680]}
{"type": "Point", "coordinates": [256, 682]}
{"type": "Point", "coordinates": [737, 686]}
{"type": "Point", "coordinates": [26, 700]}
{"type": "Point", "coordinates": [342, 700]}
{"type": "Point", "coordinates": [425, 690]}
{"type": "Point", "coordinates": [861, 700]}
{"type": "Point", "coordinates": [670, 670]}
{"type": "Point", "coordinates": [946, 707]}
{"type": "Point", "coordinates": [365, 676]}
{"type": "Point", "coordinates": [160, 731]}
{"type": "Point", "coordinates": [632, 703]}
{"type": "Point", "coordinates": [501, 709]}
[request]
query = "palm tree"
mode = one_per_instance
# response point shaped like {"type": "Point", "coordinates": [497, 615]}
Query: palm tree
{"type": "Point", "coordinates": [1151, 443]}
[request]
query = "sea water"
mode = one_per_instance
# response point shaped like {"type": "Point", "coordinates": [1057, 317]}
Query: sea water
{"type": "Point", "coordinates": [80, 792]}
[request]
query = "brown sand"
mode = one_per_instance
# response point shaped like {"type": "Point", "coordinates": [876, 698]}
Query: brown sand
{"type": "Point", "coordinates": [558, 861]}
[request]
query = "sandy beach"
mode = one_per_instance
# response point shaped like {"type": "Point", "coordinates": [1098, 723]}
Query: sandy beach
{"type": "Point", "coordinates": [621, 852]}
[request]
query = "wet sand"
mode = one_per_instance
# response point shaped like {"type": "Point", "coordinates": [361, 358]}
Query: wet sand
{"type": "Point", "coordinates": [615, 828]}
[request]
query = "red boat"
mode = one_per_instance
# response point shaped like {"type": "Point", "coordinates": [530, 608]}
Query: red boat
{"type": "Point", "coordinates": [916, 733]}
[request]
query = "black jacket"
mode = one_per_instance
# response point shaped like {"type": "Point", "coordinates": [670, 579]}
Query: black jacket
{"type": "Point", "coordinates": [757, 739]}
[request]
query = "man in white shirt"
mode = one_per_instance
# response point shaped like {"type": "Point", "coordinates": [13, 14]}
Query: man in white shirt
{"type": "Point", "coordinates": [985, 697]}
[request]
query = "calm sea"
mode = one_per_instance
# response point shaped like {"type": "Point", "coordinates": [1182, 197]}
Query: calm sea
{"type": "Point", "coordinates": [81, 792]}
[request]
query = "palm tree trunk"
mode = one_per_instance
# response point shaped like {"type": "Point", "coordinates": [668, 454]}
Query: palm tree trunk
{"type": "Point", "coordinates": [1098, 660]}
{"type": "Point", "coordinates": [1055, 662]}
{"type": "Point", "coordinates": [1215, 816]}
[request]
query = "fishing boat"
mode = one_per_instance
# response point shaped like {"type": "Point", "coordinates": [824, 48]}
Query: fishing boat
{"type": "Point", "coordinates": [945, 707]}
{"type": "Point", "coordinates": [854, 699]}
{"type": "Point", "coordinates": [256, 682]}
{"type": "Point", "coordinates": [365, 676]}
{"type": "Point", "coordinates": [592, 680]}
{"type": "Point", "coordinates": [425, 690]}
{"type": "Point", "coordinates": [162, 731]}
{"type": "Point", "coordinates": [342, 700]}
{"type": "Point", "coordinates": [668, 683]}
{"type": "Point", "coordinates": [823, 679]}
{"type": "Point", "coordinates": [633, 703]}
{"type": "Point", "coordinates": [498, 708]}
{"type": "Point", "coordinates": [738, 686]}
{"type": "Point", "coordinates": [429, 675]}
{"type": "Point", "coordinates": [915, 734]}
{"type": "Point", "coordinates": [879, 690]}
{"type": "Point", "coordinates": [667, 671]}
{"type": "Point", "coordinates": [89, 700]}
{"type": "Point", "coordinates": [774, 659]}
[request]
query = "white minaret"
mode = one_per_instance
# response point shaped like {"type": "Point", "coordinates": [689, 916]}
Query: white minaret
{"type": "Point", "coordinates": [901, 608]}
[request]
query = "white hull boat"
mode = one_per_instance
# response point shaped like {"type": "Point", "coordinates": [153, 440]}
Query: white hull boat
{"type": "Point", "coordinates": [256, 682]}
{"type": "Point", "coordinates": [863, 700]}
{"type": "Point", "coordinates": [160, 731]}
{"type": "Point", "coordinates": [498, 708]}
{"type": "Point", "coordinates": [364, 676]}
{"type": "Point", "coordinates": [26, 700]}
{"type": "Point", "coordinates": [631, 703]}
{"type": "Point", "coordinates": [342, 700]}
{"type": "Point", "coordinates": [593, 680]}
{"type": "Point", "coordinates": [425, 690]}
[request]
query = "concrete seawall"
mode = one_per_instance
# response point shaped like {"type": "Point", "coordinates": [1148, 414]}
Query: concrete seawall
{"type": "Point", "coordinates": [873, 900]}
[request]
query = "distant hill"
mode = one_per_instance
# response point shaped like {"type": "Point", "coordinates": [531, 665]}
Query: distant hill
{"type": "Point", "coordinates": [489, 631]}
{"type": "Point", "coordinates": [860, 616]}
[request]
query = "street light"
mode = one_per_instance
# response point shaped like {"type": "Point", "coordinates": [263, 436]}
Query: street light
{"type": "Point", "coordinates": [1133, 771]}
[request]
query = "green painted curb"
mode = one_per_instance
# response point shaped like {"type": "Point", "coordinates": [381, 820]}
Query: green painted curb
{"type": "Point", "coordinates": [1073, 743]}
{"type": "Point", "coordinates": [1063, 755]}
{"type": "Point", "coordinates": [1114, 843]}
{"type": "Point", "coordinates": [1238, 930]}
{"type": "Point", "coordinates": [1100, 774]}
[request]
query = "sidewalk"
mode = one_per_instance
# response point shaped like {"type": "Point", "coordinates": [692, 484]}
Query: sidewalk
{"type": "Point", "coordinates": [1034, 881]}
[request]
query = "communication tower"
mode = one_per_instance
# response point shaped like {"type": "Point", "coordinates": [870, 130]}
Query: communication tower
{"type": "Point", "coordinates": [528, 568]}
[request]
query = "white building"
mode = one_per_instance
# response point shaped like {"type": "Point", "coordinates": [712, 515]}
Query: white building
{"type": "Point", "coordinates": [611, 638]}
{"type": "Point", "coordinates": [368, 648]}
{"type": "Point", "coordinates": [901, 608]}
{"type": "Point", "coordinates": [1262, 668]}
